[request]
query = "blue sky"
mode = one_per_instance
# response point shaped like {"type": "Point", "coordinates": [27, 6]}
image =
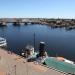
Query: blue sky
{"type": "Point", "coordinates": [38, 8]}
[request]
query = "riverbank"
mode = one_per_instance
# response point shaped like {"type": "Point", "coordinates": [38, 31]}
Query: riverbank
{"type": "Point", "coordinates": [70, 23]}
{"type": "Point", "coordinates": [12, 64]}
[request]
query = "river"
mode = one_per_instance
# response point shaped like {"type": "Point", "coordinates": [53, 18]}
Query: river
{"type": "Point", "coordinates": [59, 42]}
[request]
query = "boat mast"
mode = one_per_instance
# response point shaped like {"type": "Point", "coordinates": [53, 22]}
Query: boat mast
{"type": "Point", "coordinates": [34, 40]}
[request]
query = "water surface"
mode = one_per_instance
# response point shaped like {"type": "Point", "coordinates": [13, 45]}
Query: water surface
{"type": "Point", "coordinates": [58, 41]}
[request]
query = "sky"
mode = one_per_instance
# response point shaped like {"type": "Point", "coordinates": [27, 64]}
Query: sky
{"type": "Point", "coordinates": [37, 8]}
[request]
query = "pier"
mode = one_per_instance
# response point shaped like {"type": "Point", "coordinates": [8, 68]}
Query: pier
{"type": "Point", "coordinates": [18, 21]}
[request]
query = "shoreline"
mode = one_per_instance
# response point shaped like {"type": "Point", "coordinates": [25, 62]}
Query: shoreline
{"type": "Point", "coordinates": [54, 23]}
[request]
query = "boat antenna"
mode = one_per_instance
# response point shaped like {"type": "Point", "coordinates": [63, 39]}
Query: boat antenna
{"type": "Point", "coordinates": [56, 55]}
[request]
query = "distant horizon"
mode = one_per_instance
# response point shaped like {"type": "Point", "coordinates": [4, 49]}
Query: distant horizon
{"type": "Point", "coordinates": [33, 17]}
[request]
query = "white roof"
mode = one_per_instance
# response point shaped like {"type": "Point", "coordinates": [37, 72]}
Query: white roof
{"type": "Point", "coordinates": [42, 42]}
{"type": "Point", "coordinates": [1, 39]}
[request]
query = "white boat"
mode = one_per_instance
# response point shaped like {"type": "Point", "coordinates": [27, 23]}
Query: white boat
{"type": "Point", "coordinates": [64, 60]}
{"type": "Point", "coordinates": [3, 42]}
{"type": "Point", "coordinates": [68, 61]}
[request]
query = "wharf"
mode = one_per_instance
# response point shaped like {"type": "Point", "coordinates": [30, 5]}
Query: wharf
{"type": "Point", "coordinates": [12, 64]}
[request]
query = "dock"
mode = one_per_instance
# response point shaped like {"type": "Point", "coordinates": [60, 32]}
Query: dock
{"type": "Point", "coordinates": [13, 64]}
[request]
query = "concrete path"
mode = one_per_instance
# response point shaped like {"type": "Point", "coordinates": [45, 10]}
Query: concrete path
{"type": "Point", "coordinates": [12, 64]}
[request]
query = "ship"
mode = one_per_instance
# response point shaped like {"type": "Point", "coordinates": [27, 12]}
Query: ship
{"type": "Point", "coordinates": [57, 63]}
{"type": "Point", "coordinates": [3, 42]}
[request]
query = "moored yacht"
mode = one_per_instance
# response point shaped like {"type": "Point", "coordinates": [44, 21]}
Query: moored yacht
{"type": "Point", "coordinates": [3, 42]}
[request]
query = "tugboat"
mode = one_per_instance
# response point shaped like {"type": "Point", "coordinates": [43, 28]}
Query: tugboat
{"type": "Point", "coordinates": [3, 42]}
{"type": "Point", "coordinates": [30, 54]}
{"type": "Point", "coordinates": [41, 57]}
{"type": "Point", "coordinates": [42, 54]}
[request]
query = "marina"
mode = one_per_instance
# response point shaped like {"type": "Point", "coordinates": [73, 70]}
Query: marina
{"type": "Point", "coordinates": [37, 37]}
{"type": "Point", "coordinates": [69, 24]}
{"type": "Point", "coordinates": [53, 65]}
{"type": "Point", "coordinates": [58, 64]}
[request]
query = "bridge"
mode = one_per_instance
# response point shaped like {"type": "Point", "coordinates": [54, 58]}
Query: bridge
{"type": "Point", "coordinates": [69, 24]}
{"type": "Point", "coordinates": [18, 21]}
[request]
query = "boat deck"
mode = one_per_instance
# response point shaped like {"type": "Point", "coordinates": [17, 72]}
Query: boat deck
{"type": "Point", "coordinates": [60, 65]}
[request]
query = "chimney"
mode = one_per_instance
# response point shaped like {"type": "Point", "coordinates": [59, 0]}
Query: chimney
{"type": "Point", "coordinates": [42, 49]}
